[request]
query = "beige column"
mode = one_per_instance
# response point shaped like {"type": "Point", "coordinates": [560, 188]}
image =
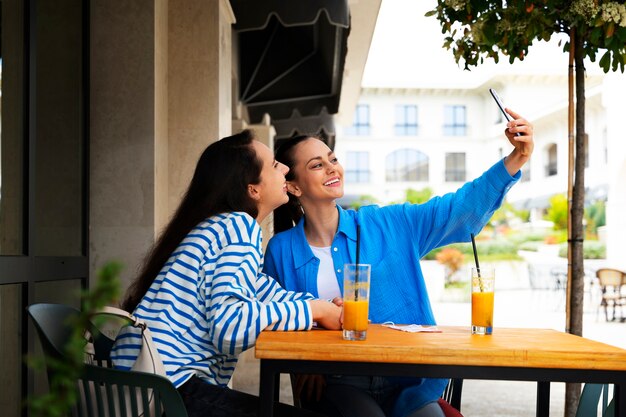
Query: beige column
{"type": "Point", "coordinates": [161, 76]}
{"type": "Point", "coordinates": [200, 67]}
{"type": "Point", "coordinates": [127, 123]}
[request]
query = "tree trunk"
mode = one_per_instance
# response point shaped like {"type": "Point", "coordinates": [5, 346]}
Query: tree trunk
{"type": "Point", "coordinates": [576, 293]}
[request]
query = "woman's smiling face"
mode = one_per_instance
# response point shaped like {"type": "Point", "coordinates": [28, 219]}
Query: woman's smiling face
{"type": "Point", "coordinates": [318, 174]}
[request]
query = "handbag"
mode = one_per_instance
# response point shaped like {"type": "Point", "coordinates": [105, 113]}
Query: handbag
{"type": "Point", "coordinates": [149, 361]}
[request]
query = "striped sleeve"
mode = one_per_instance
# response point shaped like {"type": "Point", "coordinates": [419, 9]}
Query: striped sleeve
{"type": "Point", "coordinates": [235, 312]}
{"type": "Point", "coordinates": [270, 290]}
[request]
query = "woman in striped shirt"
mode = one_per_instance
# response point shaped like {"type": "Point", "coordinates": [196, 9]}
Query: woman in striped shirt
{"type": "Point", "coordinates": [201, 290]}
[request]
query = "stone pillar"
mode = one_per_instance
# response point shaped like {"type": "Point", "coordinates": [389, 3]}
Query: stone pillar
{"type": "Point", "coordinates": [160, 93]}
{"type": "Point", "coordinates": [613, 96]}
{"type": "Point", "coordinates": [200, 67]}
{"type": "Point", "coordinates": [127, 122]}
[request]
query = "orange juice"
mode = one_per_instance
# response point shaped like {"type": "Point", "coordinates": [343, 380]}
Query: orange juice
{"type": "Point", "coordinates": [482, 309]}
{"type": "Point", "coordinates": [355, 315]}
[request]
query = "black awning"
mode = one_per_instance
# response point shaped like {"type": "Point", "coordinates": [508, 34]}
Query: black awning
{"type": "Point", "coordinates": [255, 14]}
{"type": "Point", "coordinates": [291, 56]}
{"type": "Point", "coordinates": [322, 124]}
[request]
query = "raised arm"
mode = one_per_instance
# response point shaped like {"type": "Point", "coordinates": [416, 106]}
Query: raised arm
{"type": "Point", "coordinates": [523, 144]}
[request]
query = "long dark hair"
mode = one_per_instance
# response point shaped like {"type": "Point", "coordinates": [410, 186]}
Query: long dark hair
{"type": "Point", "coordinates": [290, 213]}
{"type": "Point", "coordinates": [219, 185]}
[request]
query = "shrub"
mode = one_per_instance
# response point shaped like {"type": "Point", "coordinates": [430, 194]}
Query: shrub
{"type": "Point", "coordinates": [452, 259]}
{"type": "Point", "coordinates": [418, 196]}
{"type": "Point", "coordinates": [557, 213]}
{"type": "Point", "coordinates": [529, 246]}
{"type": "Point", "coordinates": [497, 248]}
{"type": "Point", "coordinates": [592, 249]}
{"type": "Point", "coordinates": [522, 237]}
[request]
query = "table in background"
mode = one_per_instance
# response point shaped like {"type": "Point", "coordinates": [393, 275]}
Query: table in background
{"type": "Point", "coordinates": [540, 355]}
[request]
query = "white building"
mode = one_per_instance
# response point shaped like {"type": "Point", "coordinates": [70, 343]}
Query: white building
{"type": "Point", "coordinates": [441, 137]}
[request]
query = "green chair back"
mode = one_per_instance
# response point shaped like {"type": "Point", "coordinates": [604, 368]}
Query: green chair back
{"type": "Point", "coordinates": [103, 391]}
{"type": "Point", "coordinates": [590, 398]}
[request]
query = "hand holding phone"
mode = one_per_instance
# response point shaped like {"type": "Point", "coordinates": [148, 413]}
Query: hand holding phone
{"type": "Point", "coordinates": [496, 97]}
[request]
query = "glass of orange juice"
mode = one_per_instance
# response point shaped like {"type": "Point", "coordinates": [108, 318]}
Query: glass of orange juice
{"type": "Point", "coordinates": [356, 294]}
{"type": "Point", "coordinates": [482, 300]}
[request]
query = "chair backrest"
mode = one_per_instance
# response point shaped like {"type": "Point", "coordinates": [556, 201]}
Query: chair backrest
{"type": "Point", "coordinates": [610, 277]}
{"type": "Point", "coordinates": [452, 393]}
{"type": "Point", "coordinates": [590, 400]}
{"type": "Point", "coordinates": [104, 392]}
{"type": "Point", "coordinates": [51, 323]}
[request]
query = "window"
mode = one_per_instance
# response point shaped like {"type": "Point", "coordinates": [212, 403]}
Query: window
{"type": "Point", "coordinates": [454, 121]}
{"type": "Point", "coordinates": [357, 167]}
{"type": "Point", "coordinates": [407, 165]}
{"type": "Point", "coordinates": [455, 167]}
{"type": "Point", "coordinates": [551, 166]}
{"type": "Point", "coordinates": [406, 120]}
{"type": "Point", "coordinates": [361, 125]}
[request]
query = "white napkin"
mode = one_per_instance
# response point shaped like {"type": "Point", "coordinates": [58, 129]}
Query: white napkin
{"type": "Point", "coordinates": [412, 328]}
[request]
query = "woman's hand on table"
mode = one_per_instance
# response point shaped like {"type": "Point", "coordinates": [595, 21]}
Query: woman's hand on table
{"type": "Point", "coordinates": [338, 301]}
{"type": "Point", "coordinates": [326, 314]}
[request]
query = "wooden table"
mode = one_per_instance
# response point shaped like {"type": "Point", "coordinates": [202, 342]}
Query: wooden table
{"type": "Point", "coordinates": [509, 354]}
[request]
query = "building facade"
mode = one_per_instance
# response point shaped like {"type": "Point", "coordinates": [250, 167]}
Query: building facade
{"type": "Point", "coordinates": [442, 137]}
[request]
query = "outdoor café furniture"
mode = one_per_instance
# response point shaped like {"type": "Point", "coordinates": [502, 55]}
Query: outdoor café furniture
{"type": "Point", "coordinates": [540, 355]}
{"type": "Point", "coordinates": [102, 388]}
{"type": "Point", "coordinates": [612, 282]}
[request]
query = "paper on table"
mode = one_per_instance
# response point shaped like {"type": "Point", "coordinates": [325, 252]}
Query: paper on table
{"type": "Point", "coordinates": [412, 328]}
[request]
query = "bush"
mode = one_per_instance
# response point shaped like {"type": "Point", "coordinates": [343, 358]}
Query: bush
{"type": "Point", "coordinates": [592, 249]}
{"type": "Point", "coordinates": [558, 236]}
{"type": "Point", "coordinates": [557, 213]}
{"type": "Point", "coordinates": [529, 246]}
{"type": "Point", "coordinates": [452, 259]}
{"type": "Point", "coordinates": [522, 237]}
{"type": "Point", "coordinates": [497, 248]}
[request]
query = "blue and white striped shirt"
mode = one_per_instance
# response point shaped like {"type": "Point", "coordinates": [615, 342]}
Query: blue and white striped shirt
{"type": "Point", "coordinates": [210, 302]}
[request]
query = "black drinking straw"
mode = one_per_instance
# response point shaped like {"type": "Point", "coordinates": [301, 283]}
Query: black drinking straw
{"type": "Point", "coordinates": [356, 277]}
{"type": "Point", "coordinates": [475, 255]}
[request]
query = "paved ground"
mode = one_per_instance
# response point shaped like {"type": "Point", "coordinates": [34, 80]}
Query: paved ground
{"type": "Point", "coordinates": [516, 305]}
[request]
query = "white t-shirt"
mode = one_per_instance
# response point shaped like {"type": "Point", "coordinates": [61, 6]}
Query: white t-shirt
{"type": "Point", "coordinates": [327, 285]}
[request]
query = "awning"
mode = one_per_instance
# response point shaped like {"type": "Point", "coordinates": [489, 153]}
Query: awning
{"type": "Point", "coordinates": [321, 124]}
{"type": "Point", "coordinates": [291, 57]}
{"type": "Point", "coordinates": [255, 14]}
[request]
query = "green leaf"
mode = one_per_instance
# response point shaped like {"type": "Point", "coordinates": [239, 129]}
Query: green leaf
{"type": "Point", "coordinates": [431, 13]}
{"type": "Point", "coordinates": [605, 61]}
{"type": "Point", "coordinates": [610, 29]}
{"type": "Point", "coordinates": [620, 33]}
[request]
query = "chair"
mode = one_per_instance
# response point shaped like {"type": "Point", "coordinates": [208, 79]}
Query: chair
{"type": "Point", "coordinates": [452, 393]}
{"type": "Point", "coordinates": [590, 398]}
{"type": "Point", "coordinates": [611, 282]}
{"type": "Point", "coordinates": [51, 320]}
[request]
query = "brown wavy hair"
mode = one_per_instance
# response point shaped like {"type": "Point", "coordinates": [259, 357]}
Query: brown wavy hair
{"type": "Point", "coordinates": [219, 185]}
{"type": "Point", "coordinates": [290, 213]}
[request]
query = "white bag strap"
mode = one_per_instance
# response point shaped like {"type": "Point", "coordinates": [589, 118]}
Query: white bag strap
{"type": "Point", "coordinates": [149, 359]}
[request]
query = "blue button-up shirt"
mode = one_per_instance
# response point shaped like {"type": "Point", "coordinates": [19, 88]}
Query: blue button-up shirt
{"type": "Point", "coordinates": [393, 239]}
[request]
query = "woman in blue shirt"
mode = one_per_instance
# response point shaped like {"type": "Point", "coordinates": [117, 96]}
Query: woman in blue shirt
{"type": "Point", "coordinates": [201, 290]}
{"type": "Point", "coordinates": [310, 257]}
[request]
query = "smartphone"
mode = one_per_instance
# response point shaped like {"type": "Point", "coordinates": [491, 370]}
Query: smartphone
{"type": "Point", "coordinates": [507, 116]}
{"type": "Point", "coordinates": [496, 97]}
